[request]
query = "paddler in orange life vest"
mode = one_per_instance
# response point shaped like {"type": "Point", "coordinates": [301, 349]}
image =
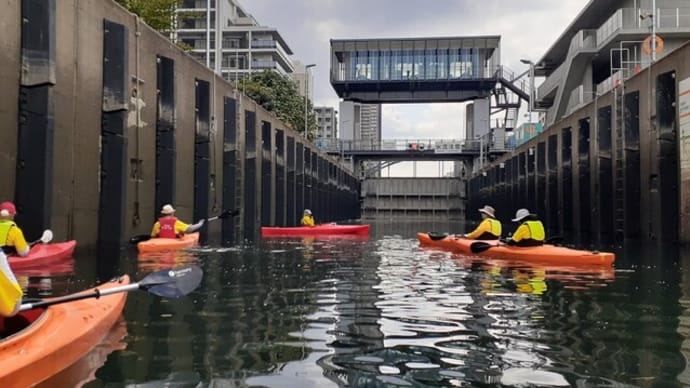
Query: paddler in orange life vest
{"type": "Point", "coordinates": [489, 228]}
{"type": "Point", "coordinates": [168, 226]}
{"type": "Point", "coordinates": [530, 233]}
{"type": "Point", "coordinates": [11, 236]}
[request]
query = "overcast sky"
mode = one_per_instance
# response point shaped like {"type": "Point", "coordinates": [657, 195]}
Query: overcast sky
{"type": "Point", "coordinates": [527, 29]}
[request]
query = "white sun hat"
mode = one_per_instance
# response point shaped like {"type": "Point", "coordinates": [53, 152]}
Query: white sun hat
{"type": "Point", "coordinates": [520, 214]}
{"type": "Point", "coordinates": [168, 209]}
{"type": "Point", "coordinates": [488, 210]}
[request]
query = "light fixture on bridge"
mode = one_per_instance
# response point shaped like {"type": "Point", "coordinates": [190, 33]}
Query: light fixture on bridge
{"type": "Point", "coordinates": [502, 165]}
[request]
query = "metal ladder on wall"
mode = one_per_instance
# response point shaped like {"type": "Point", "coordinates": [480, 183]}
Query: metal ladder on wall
{"type": "Point", "coordinates": [239, 168]}
{"type": "Point", "coordinates": [619, 164]}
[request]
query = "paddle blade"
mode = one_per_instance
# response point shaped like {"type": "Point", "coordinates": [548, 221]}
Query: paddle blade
{"type": "Point", "coordinates": [172, 283]}
{"type": "Point", "coordinates": [479, 246]}
{"type": "Point", "coordinates": [137, 239]}
{"type": "Point", "coordinates": [435, 236]}
{"type": "Point", "coordinates": [47, 236]}
{"type": "Point", "coordinates": [229, 213]}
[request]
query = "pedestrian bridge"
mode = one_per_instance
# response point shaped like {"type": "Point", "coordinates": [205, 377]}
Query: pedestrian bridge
{"type": "Point", "coordinates": [413, 149]}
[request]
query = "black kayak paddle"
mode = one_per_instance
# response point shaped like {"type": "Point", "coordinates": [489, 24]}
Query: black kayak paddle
{"type": "Point", "coordinates": [481, 246]}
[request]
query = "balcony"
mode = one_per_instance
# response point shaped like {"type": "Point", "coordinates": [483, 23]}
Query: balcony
{"type": "Point", "coordinates": [259, 44]}
{"type": "Point", "coordinates": [197, 4]}
{"type": "Point", "coordinates": [264, 65]}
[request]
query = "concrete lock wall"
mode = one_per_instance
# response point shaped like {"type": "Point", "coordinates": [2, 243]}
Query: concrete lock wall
{"type": "Point", "coordinates": [126, 121]}
{"type": "Point", "coordinates": [611, 170]}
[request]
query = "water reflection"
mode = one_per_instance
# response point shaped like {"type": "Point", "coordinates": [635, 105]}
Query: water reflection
{"type": "Point", "coordinates": [383, 312]}
{"type": "Point", "coordinates": [84, 370]}
{"type": "Point", "coordinates": [155, 261]}
{"type": "Point", "coordinates": [46, 280]}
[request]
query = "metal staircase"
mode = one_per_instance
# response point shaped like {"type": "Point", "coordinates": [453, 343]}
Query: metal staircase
{"type": "Point", "coordinates": [508, 91]}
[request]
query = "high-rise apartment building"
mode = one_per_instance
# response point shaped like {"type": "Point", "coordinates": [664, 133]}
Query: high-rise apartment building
{"type": "Point", "coordinates": [327, 124]}
{"type": "Point", "coordinates": [360, 121]}
{"type": "Point", "coordinates": [371, 122]}
{"type": "Point", "coordinates": [245, 45]}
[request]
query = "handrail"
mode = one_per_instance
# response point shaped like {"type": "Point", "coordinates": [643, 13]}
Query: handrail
{"type": "Point", "coordinates": [421, 145]}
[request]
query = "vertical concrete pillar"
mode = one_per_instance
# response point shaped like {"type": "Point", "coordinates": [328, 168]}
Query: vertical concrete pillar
{"type": "Point", "coordinates": [230, 124]}
{"type": "Point", "coordinates": [632, 184]}
{"type": "Point", "coordinates": [280, 179]}
{"type": "Point", "coordinates": [684, 151]}
{"type": "Point", "coordinates": [666, 124]}
{"type": "Point", "coordinates": [291, 182]}
{"type": "Point", "coordinates": [202, 152]}
{"type": "Point", "coordinates": [111, 209]}
{"type": "Point", "coordinates": [250, 177]}
{"type": "Point", "coordinates": [299, 180]}
{"type": "Point", "coordinates": [165, 132]}
{"type": "Point", "coordinates": [34, 179]}
{"type": "Point", "coordinates": [267, 188]}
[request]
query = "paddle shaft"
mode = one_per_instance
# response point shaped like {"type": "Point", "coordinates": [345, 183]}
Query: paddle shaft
{"type": "Point", "coordinates": [146, 237]}
{"type": "Point", "coordinates": [481, 246]}
{"type": "Point", "coordinates": [167, 283]}
{"type": "Point", "coordinates": [69, 298]}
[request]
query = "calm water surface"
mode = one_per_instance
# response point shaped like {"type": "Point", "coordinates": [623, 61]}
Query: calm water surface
{"type": "Point", "coordinates": [384, 312]}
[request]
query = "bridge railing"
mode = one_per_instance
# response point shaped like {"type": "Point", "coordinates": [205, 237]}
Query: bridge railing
{"type": "Point", "coordinates": [435, 145]}
{"type": "Point", "coordinates": [490, 142]}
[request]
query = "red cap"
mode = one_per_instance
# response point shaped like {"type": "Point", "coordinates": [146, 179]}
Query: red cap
{"type": "Point", "coordinates": [8, 207]}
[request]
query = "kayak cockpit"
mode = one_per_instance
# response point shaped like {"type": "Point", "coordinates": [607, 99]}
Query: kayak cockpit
{"type": "Point", "coordinates": [23, 319]}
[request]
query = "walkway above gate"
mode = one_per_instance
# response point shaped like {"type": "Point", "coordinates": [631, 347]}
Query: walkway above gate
{"type": "Point", "coordinates": [417, 70]}
{"type": "Point", "coordinates": [413, 149]}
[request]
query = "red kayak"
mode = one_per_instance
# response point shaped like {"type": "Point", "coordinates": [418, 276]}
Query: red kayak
{"type": "Point", "coordinates": [41, 254]}
{"type": "Point", "coordinates": [323, 229]}
{"type": "Point", "coordinates": [540, 254]}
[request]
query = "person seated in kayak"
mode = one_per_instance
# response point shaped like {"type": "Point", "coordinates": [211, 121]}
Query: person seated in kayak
{"type": "Point", "coordinates": [307, 218]}
{"type": "Point", "coordinates": [11, 236]}
{"type": "Point", "coordinates": [530, 233]}
{"type": "Point", "coordinates": [168, 226]}
{"type": "Point", "coordinates": [10, 293]}
{"type": "Point", "coordinates": [489, 228]}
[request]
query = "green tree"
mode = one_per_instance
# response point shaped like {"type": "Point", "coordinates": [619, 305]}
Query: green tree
{"type": "Point", "coordinates": [159, 14]}
{"type": "Point", "coordinates": [279, 94]}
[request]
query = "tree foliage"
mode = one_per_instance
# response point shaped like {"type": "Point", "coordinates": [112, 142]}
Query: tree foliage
{"type": "Point", "coordinates": [279, 94]}
{"type": "Point", "coordinates": [159, 14]}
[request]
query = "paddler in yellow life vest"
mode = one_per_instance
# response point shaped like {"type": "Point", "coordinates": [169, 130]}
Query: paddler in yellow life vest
{"type": "Point", "coordinates": [168, 226]}
{"type": "Point", "coordinates": [489, 228]}
{"type": "Point", "coordinates": [307, 218]}
{"type": "Point", "coordinates": [530, 233]}
{"type": "Point", "coordinates": [11, 236]}
{"type": "Point", "coordinates": [10, 291]}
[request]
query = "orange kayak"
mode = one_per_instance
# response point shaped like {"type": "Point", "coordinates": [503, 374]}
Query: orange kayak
{"type": "Point", "coordinates": [169, 244]}
{"type": "Point", "coordinates": [41, 254]}
{"type": "Point", "coordinates": [318, 230]}
{"type": "Point", "coordinates": [546, 254]}
{"type": "Point", "coordinates": [56, 337]}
